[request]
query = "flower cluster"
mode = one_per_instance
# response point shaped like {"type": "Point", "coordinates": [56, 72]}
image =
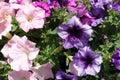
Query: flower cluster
{"type": "Point", "coordinates": [20, 53]}
{"type": "Point", "coordinates": [26, 25]}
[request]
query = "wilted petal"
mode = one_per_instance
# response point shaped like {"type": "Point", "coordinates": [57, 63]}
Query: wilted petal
{"type": "Point", "coordinates": [44, 71]}
{"type": "Point", "coordinates": [21, 75]}
{"type": "Point", "coordinates": [74, 69]}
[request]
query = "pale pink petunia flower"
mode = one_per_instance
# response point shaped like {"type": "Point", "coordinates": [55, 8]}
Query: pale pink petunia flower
{"type": "Point", "coordinates": [30, 17]}
{"type": "Point", "coordinates": [21, 75]}
{"type": "Point", "coordinates": [20, 52]}
{"type": "Point", "coordinates": [16, 4]}
{"type": "Point", "coordinates": [6, 14]}
{"type": "Point", "coordinates": [20, 1]}
{"type": "Point", "coordinates": [43, 72]}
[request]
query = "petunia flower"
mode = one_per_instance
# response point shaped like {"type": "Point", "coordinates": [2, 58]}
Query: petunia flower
{"type": "Point", "coordinates": [16, 4]}
{"type": "Point", "coordinates": [84, 15]}
{"type": "Point", "coordinates": [98, 9]}
{"type": "Point", "coordinates": [116, 7]}
{"type": "Point", "coordinates": [20, 52]}
{"type": "Point", "coordinates": [98, 14]}
{"type": "Point", "coordinates": [70, 4]}
{"type": "Point", "coordinates": [60, 75]}
{"type": "Point", "coordinates": [74, 33]}
{"type": "Point", "coordinates": [116, 59]}
{"type": "Point", "coordinates": [44, 6]}
{"type": "Point", "coordinates": [85, 62]}
{"type": "Point", "coordinates": [43, 71]}
{"type": "Point", "coordinates": [21, 75]}
{"type": "Point", "coordinates": [30, 17]}
{"type": "Point", "coordinates": [20, 1]}
{"type": "Point", "coordinates": [6, 14]}
{"type": "Point", "coordinates": [53, 4]}
{"type": "Point", "coordinates": [100, 3]}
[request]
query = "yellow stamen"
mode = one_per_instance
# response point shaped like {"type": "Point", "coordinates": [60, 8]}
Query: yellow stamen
{"type": "Point", "coordinates": [29, 19]}
{"type": "Point", "coordinates": [23, 78]}
{"type": "Point", "coordinates": [8, 35]}
{"type": "Point", "coordinates": [5, 15]}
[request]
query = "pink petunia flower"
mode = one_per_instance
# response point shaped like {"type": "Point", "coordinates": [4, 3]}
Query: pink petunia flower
{"type": "Point", "coordinates": [30, 17]}
{"type": "Point", "coordinates": [6, 14]}
{"type": "Point", "coordinates": [44, 6]}
{"type": "Point", "coordinates": [43, 72]}
{"type": "Point", "coordinates": [21, 75]}
{"type": "Point", "coordinates": [20, 53]}
{"type": "Point", "coordinates": [16, 4]}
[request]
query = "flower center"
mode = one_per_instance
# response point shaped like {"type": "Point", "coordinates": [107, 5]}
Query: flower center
{"type": "Point", "coordinates": [24, 78]}
{"type": "Point", "coordinates": [88, 60]}
{"type": "Point", "coordinates": [5, 15]}
{"type": "Point", "coordinates": [96, 0]}
{"type": "Point", "coordinates": [29, 19]}
{"type": "Point", "coordinates": [75, 31]}
{"type": "Point", "coordinates": [63, 2]}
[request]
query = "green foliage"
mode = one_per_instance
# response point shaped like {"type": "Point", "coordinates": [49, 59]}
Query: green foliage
{"type": "Point", "coordinates": [105, 40]}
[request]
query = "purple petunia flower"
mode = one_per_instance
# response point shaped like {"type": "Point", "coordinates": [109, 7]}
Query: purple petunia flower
{"type": "Point", "coordinates": [116, 59]}
{"type": "Point", "coordinates": [98, 14]}
{"type": "Point", "coordinates": [64, 76]}
{"type": "Point", "coordinates": [70, 4]}
{"type": "Point", "coordinates": [62, 2]}
{"type": "Point", "coordinates": [100, 3]}
{"type": "Point", "coordinates": [98, 9]}
{"type": "Point", "coordinates": [44, 6]}
{"type": "Point", "coordinates": [116, 7]}
{"type": "Point", "coordinates": [53, 4]}
{"type": "Point", "coordinates": [85, 62]}
{"type": "Point", "coordinates": [74, 33]}
{"type": "Point", "coordinates": [83, 15]}
{"type": "Point", "coordinates": [97, 3]}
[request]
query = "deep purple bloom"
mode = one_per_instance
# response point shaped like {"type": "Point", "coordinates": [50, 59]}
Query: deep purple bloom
{"type": "Point", "coordinates": [97, 3]}
{"type": "Point", "coordinates": [98, 14]}
{"type": "Point", "coordinates": [98, 9]}
{"type": "Point", "coordinates": [74, 33]}
{"type": "Point", "coordinates": [53, 4]}
{"type": "Point", "coordinates": [44, 6]}
{"type": "Point", "coordinates": [100, 3]}
{"type": "Point", "coordinates": [62, 3]}
{"type": "Point", "coordinates": [35, 0]}
{"type": "Point", "coordinates": [85, 62]}
{"type": "Point", "coordinates": [116, 59]}
{"type": "Point", "coordinates": [64, 76]}
{"type": "Point", "coordinates": [83, 15]}
{"type": "Point", "coordinates": [116, 7]}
